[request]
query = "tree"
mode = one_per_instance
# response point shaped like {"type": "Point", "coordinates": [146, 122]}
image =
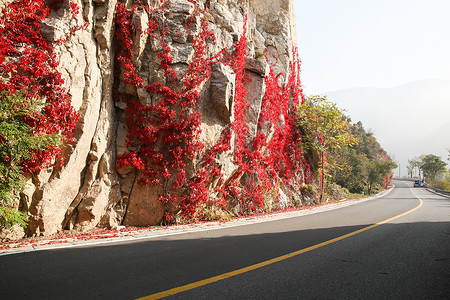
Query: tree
{"type": "Point", "coordinates": [415, 163]}
{"type": "Point", "coordinates": [18, 140]}
{"type": "Point", "coordinates": [364, 165]}
{"type": "Point", "coordinates": [346, 153]}
{"type": "Point", "coordinates": [431, 165]}
{"type": "Point", "coordinates": [377, 171]}
{"type": "Point", "coordinates": [410, 169]}
{"type": "Point", "coordinates": [353, 175]}
{"type": "Point", "coordinates": [325, 128]}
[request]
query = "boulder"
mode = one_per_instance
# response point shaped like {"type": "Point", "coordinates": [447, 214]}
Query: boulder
{"type": "Point", "coordinates": [257, 66]}
{"type": "Point", "coordinates": [222, 90]}
{"type": "Point", "coordinates": [53, 29]}
{"type": "Point", "coordinates": [256, 88]}
{"type": "Point", "coordinates": [181, 6]}
{"type": "Point", "coordinates": [144, 209]}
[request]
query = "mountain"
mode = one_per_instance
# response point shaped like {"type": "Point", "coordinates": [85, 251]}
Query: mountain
{"type": "Point", "coordinates": [408, 120]}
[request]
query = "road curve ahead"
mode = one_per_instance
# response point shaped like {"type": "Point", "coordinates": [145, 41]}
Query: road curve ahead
{"type": "Point", "coordinates": [395, 247]}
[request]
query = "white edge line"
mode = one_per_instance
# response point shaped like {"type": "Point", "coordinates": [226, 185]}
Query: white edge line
{"type": "Point", "coordinates": [224, 226]}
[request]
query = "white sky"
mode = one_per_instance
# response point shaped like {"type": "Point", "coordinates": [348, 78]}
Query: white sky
{"type": "Point", "coordinates": [371, 43]}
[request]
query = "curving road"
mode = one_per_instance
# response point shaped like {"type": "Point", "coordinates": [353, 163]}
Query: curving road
{"type": "Point", "coordinates": [356, 252]}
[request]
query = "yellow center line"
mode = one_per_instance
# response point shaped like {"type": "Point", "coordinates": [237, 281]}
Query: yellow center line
{"type": "Point", "coordinates": [270, 261]}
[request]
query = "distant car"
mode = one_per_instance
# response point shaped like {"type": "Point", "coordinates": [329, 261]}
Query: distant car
{"type": "Point", "coordinates": [417, 183]}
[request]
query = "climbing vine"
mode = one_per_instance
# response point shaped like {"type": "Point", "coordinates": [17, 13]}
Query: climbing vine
{"type": "Point", "coordinates": [163, 135]}
{"type": "Point", "coordinates": [166, 132]}
{"type": "Point", "coordinates": [28, 63]}
{"type": "Point", "coordinates": [37, 116]}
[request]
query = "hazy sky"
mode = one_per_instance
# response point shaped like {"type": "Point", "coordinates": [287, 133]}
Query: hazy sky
{"type": "Point", "coordinates": [372, 43]}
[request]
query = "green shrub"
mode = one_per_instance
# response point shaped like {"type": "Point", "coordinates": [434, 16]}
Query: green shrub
{"type": "Point", "coordinates": [18, 142]}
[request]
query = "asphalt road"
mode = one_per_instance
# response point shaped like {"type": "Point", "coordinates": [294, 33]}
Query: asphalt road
{"type": "Point", "coordinates": [405, 258]}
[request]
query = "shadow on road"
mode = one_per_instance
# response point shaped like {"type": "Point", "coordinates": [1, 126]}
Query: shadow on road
{"type": "Point", "coordinates": [134, 269]}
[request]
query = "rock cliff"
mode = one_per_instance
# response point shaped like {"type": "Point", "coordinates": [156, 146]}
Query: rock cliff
{"type": "Point", "coordinates": [218, 62]}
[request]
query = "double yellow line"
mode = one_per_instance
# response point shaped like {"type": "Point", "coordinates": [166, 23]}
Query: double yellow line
{"type": "Point", "coordinates": [203, 282]}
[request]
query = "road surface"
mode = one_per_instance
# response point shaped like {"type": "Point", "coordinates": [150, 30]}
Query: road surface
{"type": "Point", "coordinates": [395, 247]}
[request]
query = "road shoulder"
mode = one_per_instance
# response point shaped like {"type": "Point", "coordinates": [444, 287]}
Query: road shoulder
{"type": "Point", "coordinates": [102, 237]}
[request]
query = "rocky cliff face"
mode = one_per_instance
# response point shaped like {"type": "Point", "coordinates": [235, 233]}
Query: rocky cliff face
{"type": "Point", "coordinates": [91, 189]}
